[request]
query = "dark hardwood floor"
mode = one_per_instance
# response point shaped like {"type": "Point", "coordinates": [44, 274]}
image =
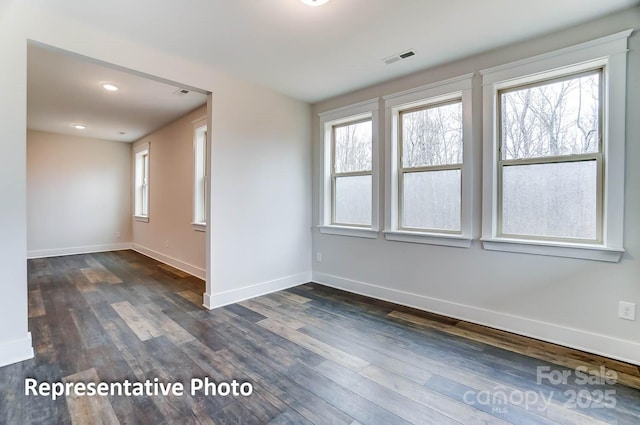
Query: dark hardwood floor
{"type": "Point", "coordinates": [314, 355]}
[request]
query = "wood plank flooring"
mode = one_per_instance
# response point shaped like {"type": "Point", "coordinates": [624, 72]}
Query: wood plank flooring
{"type": "Point", "coordinates": [314, 355]}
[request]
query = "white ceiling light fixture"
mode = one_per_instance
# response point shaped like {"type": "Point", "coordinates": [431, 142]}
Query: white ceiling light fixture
{"type": "Point", "coordinates": [79, 126]}
{"type": "Point", "coordinates": [110, 87]}
{"type": "Point", "coordinates": [314, 2]}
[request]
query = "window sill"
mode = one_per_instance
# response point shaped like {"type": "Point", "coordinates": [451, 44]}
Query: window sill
{"type": "Point", "coordinates": [199, 227]}
{"type": "Point", "coordinates": [554, 249]}
{"type": "Point", "coordinates": [442, 239]}
{"type": "Point", "coordinates": [357, 232]}
{"type": "Point", "coordinates": [141, 218]}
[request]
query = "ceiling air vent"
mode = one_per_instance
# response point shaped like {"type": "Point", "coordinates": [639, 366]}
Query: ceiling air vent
{"type": "Point", "coordinates": [181, 92]}
{"type": "Point", "coordinates": [398, 57]}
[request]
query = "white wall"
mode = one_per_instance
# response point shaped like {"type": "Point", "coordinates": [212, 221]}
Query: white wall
{"type": "Point", "coordinates": [259, 240]}
{"type": "Point", "coordinates": [78, 194]}
{"type": "Point", "coordinates": [261, 185]}
{"type": "Point", "coordinates": [15, 340]}
{"type": "Point", "coordinates": [572, 302]}
{"type": "Point", "coordinates": [171, 174]}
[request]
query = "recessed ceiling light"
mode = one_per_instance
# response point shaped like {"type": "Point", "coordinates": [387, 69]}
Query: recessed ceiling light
{"type": "Point", "coordinates": [79, 126]}
{"type": "Point", "coordinates": [314, 2]}
{"type": "Point", "coordinates": [110, 87]}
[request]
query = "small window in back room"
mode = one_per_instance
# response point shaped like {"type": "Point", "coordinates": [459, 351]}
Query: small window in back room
{"type": "Point", "coordinates": [141, 189]}
{"type": "Point", "coordinates": [200, 175]}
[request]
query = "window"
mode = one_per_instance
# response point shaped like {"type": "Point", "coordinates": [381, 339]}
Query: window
{"type": "Point", "coordinates": [141, 189]}
{"type": "Point", "coordinates": [351, 173]}
{"type": "Point", "coordinates": [430, 167]}
{"type": "Point", "coordinates": [554, 152]}
{"type": "Point", "coordinates": [550, 164]}
{"type": "Point", "coordinates": [349, 192]}
{"type": "Point", "coordinates": [200, 174]}
{"type": "Point", "coordinates": [429, 157]}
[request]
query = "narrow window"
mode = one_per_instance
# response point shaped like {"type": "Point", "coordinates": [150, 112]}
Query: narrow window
{"type": "Point", "coordinates": [430, 164]}
{"type": "Point", "coordinates": [141, 188]}
{"type": "Point", "coordinates": [430, 168]}
{"type": "Point", "coordinates": [352, 173]}
{"type": "Point", "coordinates": [200, 176]}
{"type": "Point", "coordinates": [349, 189]}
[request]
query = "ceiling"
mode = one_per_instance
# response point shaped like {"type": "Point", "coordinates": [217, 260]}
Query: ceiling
{"type": "Point", "coordinates": [64, 90]}
{"type": "Point", "coordinates": [309, 53]}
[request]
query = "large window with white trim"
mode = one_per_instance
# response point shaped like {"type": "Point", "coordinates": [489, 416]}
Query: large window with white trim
{"type": "Point", "coordinates": [349, 172]}
{"type": "Point", "coordinates": [554, 136]}
{"type": "Point", "coordinates": [429, 153]}
{"type": "Point", "coordinates": [550, 159]}
{"type": "Point", "coordinates": [141, 182]}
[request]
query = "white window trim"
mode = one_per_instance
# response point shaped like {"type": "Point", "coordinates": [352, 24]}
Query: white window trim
{"type": "Point", "coordinates": [362, 110]}
{"type": "Point", "coordinates": [450, 89]}
{"type": "Point", "coordinates": [137, 151]}
{"type": "Point", "coordinates": [609, 52]}
{"type": "Point", "coordinates": [198, 225]}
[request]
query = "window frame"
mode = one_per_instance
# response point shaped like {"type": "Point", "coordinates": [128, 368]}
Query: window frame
{"type": "Point", "coordinates": [558, 159]}
{"type": "Point", "coordinates": [457, 89]}
{"type": "Point", "coordinates": [606, 53]}
{"type": "Point", "coordinates": [329, 120]}
{"type": "Point", "coordinates": [336, 175]}
{"type": "Point", "coordinates": [200, 167]}
{"type": "Point", "coordinates": [142, 165]}
{"type": "Point", "coordinates": [402, 170]}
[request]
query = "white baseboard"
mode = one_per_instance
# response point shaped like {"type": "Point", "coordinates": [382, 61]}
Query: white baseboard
{"type": "Point", "coordinates": [603, 345]}
{"type": "Point", "coordinates": [173, 262]}
{"type": "Point", "coordinates": [16, 351]}
{"type": "Point", "coordinates": [57, 252]}
{"type": "Point", "coordinates": [220, 299]}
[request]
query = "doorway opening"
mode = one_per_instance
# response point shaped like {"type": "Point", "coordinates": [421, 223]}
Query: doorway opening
{"type": "Point", "coordinates": [86, 122]}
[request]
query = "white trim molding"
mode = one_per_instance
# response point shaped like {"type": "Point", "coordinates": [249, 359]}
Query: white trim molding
{"type": "Point", "coordinates": [358, 232]}
{"type": "Point", "coordinates": [221, 299]}
{"type": "Point", "coordinates": [89, 249]}
{"type": "Point", "coordinates": [16, 351]}
{"type": "Point", "coordinates": [363, 110]}
{"type": "Point", "coordinates": [567, 250]}
{"type": "Point", "coordinates": [608, 53]}
{"type": "Point", "coordinates": [173, 262]}
{"type": "Point", "coordinates": [428, 238]}
{"type": "Point", "coordinates": [453, 89]}
{"type": "Point", "coordinates": [599, 344]}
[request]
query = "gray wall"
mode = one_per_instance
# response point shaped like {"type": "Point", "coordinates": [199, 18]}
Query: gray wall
{"type": "Point", "coordinates": [569, 301]}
